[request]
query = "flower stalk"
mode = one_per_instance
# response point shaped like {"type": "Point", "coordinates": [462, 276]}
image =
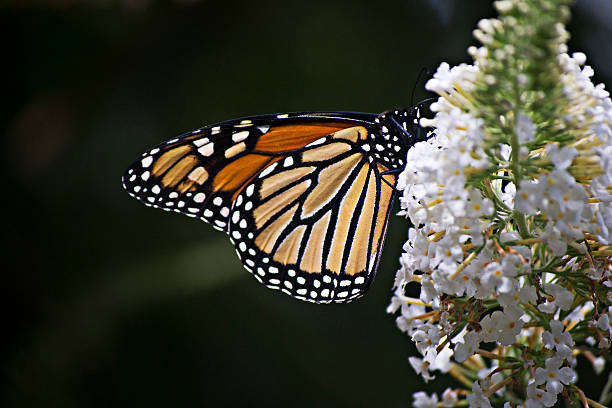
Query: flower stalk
{"type": "Point", "coordinates": [512, 207]}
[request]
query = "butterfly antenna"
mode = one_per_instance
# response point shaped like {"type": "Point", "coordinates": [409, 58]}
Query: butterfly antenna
{"type": "Point", "coordinates": [423, 71]}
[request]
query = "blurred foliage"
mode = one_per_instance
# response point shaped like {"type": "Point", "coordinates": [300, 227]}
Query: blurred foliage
{"type": "Point", "coordinates": [108, 303]}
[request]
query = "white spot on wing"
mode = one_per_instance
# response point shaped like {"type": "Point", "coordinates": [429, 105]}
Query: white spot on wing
{"type": "Point", "coordinates": [201, 142]}
{"type": "Point", "coordinates": [207, 149]}
{"type": "Point", "coordinates": [268, 170]}
{"type": "Point", "coordinates": [288, 162]}
{"type": "Point", "coordinates": [146, 162]}
{"type": "Point", "coordinates": [240, 136]}
{"type": "Point", "coordinates": [316, 142]}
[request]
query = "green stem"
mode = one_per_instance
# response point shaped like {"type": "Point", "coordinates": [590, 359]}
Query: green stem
{"type": "Point", "coordinates": [515, 159]}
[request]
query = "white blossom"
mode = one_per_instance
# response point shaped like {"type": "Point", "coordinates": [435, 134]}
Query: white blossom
{"type": "Point", "coordinates": [554, 375]}
{"type": "Point", "coordinates": [422, 400]}
{"type": "Point", "coordinates": [477, 399]}
{"type": "Point", "coordinates": [449, 398]}
{"type": "Point", "coordinates": [525, 129]}
{"type": "Point", "coordinates": [537, 397]}
{"type": "Point", "coordinates": [558, 298]}
{"type": "Point", "coordinates": [510, 325]}
{"type": "Point", "coordinates": [471, 342]}
{"type": "Point", "coordinates": [557, 338]}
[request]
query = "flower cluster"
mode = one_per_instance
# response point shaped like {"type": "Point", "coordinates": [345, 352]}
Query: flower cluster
{"type": "Point", "coordinates": [510, 203]}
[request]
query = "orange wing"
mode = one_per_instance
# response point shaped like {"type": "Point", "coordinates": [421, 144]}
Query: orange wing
{"type": "Point", "coordinates": [200, 173]}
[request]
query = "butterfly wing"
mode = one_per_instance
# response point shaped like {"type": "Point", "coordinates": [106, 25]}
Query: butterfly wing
{"type": "Point", "coordinates": [302, 202]}
{"type": "Point", "coordinates": [200, 173]}
{"type": "Point", "coordinates": [313, 224]}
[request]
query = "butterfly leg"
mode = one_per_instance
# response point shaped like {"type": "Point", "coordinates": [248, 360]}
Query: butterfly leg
{"type": "Point", "coordinates": [400, 127]}
{"type": "Point", "coordinates": [393, 171]}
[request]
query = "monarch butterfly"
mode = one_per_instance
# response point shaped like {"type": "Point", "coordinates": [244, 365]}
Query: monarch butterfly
{"type": "Point", "coordinates": [304, 197]}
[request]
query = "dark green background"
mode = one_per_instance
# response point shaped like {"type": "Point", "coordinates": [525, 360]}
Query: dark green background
{"type": "Point", "coordinates": [109, 303]}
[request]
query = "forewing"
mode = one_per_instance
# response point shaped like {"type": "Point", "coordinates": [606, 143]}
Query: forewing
{"type": "Point", "coordinates": [313, 223]}
{"type": "Point", "coordinates": [200, 174]}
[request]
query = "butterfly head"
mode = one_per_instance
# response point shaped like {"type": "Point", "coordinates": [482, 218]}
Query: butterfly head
{"type": "Point", "coordinates": [398, 130]}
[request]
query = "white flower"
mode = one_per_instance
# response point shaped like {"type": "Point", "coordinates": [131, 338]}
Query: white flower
{"type": "Point", "coordinates": [554, 376]}
{"type": "Point", "coordinates": [561, 157]}
{"type": "Point", "coordinates": [599, 364]}
{"type": "Point", "coordinates": [471, 342]}
{"type": "Point", "coordinates": [501, 277]}
{"type": "Point", "coordinates": [477, 399]}
{"type": "Point", "coordinates": [440, 361]}
{"type": "Point", "coordinates": [604, 323]}
{"type": "Point", "coordinates": [524, 129]}
{"type": "Point", "coordinates": [526, 294]}
{"type": "Point", "coordinates": [426, 337]}
{"type": "Point", "coordinates": [529, 197]}
{"type": "Point", "coordinates": [552, 237]}
{"type": "Point", "coordinates": [407, 322]}
{"type": "Point", "coordinates": [428, 292]}
{"type": "Point", "coordinates": [579, 313]}
{"type": "Point", "coordinates": [557, 338]}
{"type": "Point", "coordinates": [558, 298]}
{"type": "Point", "coordinates": [537, 397]}
{"type": "Point", "coordinates": [487, 379]}
{"type": "Point", "coordinates": [449, 398]}
{"type": "Point", "coordinates": [489, 325]}
{"type": "Point", "coordinates": [421, 367]}
{"type": "Point", "coordinates": [510, 325]}
{"type": "Point", "coordinates": [421, 400]}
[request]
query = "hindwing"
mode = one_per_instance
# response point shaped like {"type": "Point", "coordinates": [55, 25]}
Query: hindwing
{"type": "Point", "coordinates": [313, 224]}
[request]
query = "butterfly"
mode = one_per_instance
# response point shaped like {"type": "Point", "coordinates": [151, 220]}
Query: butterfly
{"type": "Point", "coordinates": [304, 197]}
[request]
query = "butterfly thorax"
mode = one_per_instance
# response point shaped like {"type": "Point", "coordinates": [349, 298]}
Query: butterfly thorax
{"type": "Point", "coordinates": [396, 131]}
